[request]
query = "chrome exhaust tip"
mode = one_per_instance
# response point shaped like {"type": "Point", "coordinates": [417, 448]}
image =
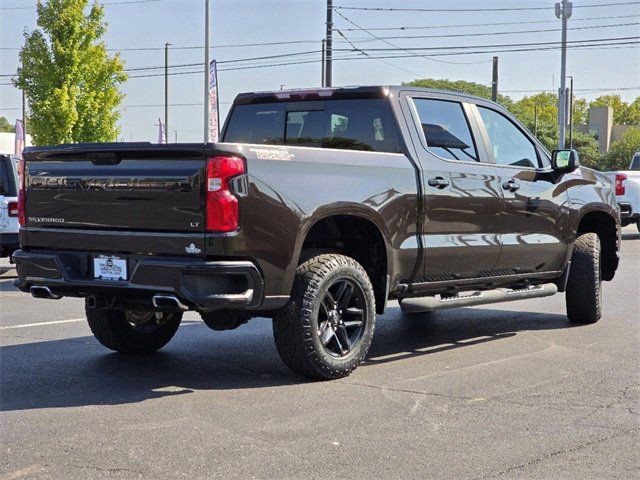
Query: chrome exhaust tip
{"type": "Point", "coordinates": [168, 302]}
{"type": "Point", "coordinates": [38, 291]}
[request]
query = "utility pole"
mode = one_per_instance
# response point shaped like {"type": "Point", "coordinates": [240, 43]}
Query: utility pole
{"type": "Point", "coordinates": [328, 45]}
{"type": "Point", "coordinates": [323, 62]}
{"type": "Point", "coordinates": [166, 91]}
{"type": "Point", "coordinates": [563, 11]}
{"type": "Point", "coordinates": [24, 118]}
{"type": "Point", "coordinates": [535, 119]}
{"type": "Point", "coordinates": [571, 111]}
{"type": "Point", "coordinates": [494, 80]}
{"type": "Point", "coordinates": [206, 71]}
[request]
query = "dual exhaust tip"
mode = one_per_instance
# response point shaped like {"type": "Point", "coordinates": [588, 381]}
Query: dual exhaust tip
{"type": "Point", "coordinates": [160, 302]}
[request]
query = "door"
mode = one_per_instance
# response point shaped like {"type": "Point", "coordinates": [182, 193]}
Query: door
{"type": "Point", "coordinates": [462, 196]}
{"type": "Point", "coordinates": [535, 210]}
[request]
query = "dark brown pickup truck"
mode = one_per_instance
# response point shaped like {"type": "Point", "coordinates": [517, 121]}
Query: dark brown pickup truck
{"type": "Point", "coordinates": [316, 208]}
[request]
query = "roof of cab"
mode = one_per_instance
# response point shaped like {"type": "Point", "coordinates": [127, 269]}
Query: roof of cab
{"type": "Point", "coordinates": [325, 93]}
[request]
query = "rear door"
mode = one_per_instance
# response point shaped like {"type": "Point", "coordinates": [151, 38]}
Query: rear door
{"type": "Point", "coordinates": [462, 199]}
{"type": "Point", "coordinates": [533, 231]}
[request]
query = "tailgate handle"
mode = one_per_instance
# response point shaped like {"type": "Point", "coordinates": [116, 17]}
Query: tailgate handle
{"type": "Point", "coordinates": [103, 158]}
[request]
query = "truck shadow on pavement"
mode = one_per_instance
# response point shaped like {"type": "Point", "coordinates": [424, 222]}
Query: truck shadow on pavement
{"type": "Point", "coordinates": [78, 371]}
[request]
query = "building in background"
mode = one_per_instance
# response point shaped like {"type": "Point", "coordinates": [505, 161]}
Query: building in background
{"type": "Point", "coordinates": [601, 125]}
{"type": "Point", "coordinates": [8, 142]}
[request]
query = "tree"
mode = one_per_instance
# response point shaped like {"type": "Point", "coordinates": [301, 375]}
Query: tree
{"type": "Point", "coordinates": [68, 77]}
{"type": "Point", "coordinates": [622, 150]}
{"type": "Point", "coordinates": [5, 126]}
{"type": "Point", "coordinates": [544, 107]}
{"type": "Point", "coordinates": [587, 147]}
{"type": "Point", "coordinates": [619, 107]}
{"type": "Point", "coordinates": [463, 86]}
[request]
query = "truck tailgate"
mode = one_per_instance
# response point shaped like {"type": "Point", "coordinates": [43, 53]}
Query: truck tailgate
{"type": "Point", "coordinates": [133, 189]}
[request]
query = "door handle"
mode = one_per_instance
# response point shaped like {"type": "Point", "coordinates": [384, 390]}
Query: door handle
{"type": "Point", "coordinates": [438, 182]}
{"type": "Point", "coordinates": [511, 185]}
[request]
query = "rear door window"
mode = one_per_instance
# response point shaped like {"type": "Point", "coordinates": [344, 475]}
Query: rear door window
{"type": "Point", "coordinates": [446, 129]}
{"type": "Point", "coordinates": [361, 124]}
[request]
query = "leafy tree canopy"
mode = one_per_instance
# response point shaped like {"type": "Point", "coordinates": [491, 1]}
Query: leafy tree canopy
{"type": "Point", "coordinates": [622, 150]}
{"type": "Point", "coordinates": [462, 86]}
{"type": "Point", "coordinates": [68, 77]}
{"type": "Point", "coordinates": [5, 125]}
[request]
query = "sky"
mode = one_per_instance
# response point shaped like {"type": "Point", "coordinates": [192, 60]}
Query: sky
{"type": "Point", "coordinates": [149, 24]}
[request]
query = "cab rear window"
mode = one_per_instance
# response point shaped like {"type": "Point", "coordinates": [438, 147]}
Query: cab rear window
{"type": "Point", "coordinates": [362, 124]}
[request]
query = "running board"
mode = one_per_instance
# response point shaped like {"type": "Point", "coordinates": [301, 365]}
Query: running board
{"type": "Point", "coordinates": [477, 297]}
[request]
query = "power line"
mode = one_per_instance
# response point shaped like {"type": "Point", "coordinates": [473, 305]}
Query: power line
{"type": "Point", "coordinates": [104, 3]}
{"type": "Point", "coordinates": [473, 10]}
{"type": "Point", "coordinates": [385, 41]}
{"type": "Point", "coordinates": [465, 25]}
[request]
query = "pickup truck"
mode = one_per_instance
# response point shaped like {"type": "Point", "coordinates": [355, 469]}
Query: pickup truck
{"type": "Point", "coordinates": [316, 208]}
{"type": "Point", "coordinates": [8, 205]}
{"type": "Point", "coordinates": [627, 188]}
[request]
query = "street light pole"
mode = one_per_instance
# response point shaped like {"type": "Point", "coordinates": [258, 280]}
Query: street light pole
{"type": "Point", "coordinates": [166, 91]}
{"type": "Point", "coordinates": [570, 111]}
{"type": "Point", "coordinates": [329, 45]}
{"type": "Point", "coordinates": [563, 11]}
{"type": "Point", "coordinates": [206, 71]}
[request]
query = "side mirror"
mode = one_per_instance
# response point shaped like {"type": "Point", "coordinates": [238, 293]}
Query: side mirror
{"type": "Point", "coordinates": [565, 160]}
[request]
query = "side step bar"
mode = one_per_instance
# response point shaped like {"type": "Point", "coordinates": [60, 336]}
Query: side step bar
{"type": "Point", "coordinates": [478, 297]}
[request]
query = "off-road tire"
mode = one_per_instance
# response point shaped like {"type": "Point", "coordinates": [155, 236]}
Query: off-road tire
{"type": "Point", "coordinates": [111, 329]}
{"type": "Point", "coordinates": [584, 287]}
{"type": "Point", "coordinates": [638, 225]}
{"type": "Point", "coordinates": [295, 327]}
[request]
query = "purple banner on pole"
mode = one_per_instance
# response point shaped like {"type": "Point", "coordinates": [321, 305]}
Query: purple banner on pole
{"type": "Point", "coordinates": [213, 102]}
{"type": "Point", "coordinates": [20, 138]}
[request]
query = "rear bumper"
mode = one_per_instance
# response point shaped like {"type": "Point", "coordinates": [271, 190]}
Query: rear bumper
{"type": "Point", "coordinates": [8, 244]}
{"type": "Point", "coordinates": [201, 285]}
{"type": "Point", "coordinates": [627, 215]}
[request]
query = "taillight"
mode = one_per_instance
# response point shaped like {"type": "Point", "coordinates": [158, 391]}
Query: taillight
{"type": "Point", "coordinates": [22, 212]}
{"type": "Point", "coordinates": [13, 209]}
{"type": "Point", "coordinates": [222, 207]}
{"type": "Point", "coordinates": [620, 187]}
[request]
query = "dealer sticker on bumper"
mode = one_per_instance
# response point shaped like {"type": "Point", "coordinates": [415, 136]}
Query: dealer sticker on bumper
{"type": "Point", "coordinates": [109, 268]}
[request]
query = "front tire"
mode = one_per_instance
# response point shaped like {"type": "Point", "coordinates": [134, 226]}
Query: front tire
{"type": "Point", "coordinates": [325, 330]}
{"type": "Point", "coordinates": [128, 331]}
{"type": "Point", "coordinates": [584, 287]}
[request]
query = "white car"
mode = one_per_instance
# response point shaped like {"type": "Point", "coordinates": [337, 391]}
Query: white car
{"type": "Point", "coordinates": [9, 186]}
{"type": "Point", "coordinates": [627, 187]}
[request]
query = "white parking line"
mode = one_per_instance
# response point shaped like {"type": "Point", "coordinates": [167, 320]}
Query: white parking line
{"type": "Point", "coordinates": [26, 325]}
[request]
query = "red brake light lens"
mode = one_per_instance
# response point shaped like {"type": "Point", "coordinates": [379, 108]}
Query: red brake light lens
{"type": "Point", "coordinates": [13, 209]}
{"type": "Point", "coordinates": [221, 205]}
{"type": "Point", "coordinates": [620, 187]}
{"type": "Point", "coordinates": [21, 207]}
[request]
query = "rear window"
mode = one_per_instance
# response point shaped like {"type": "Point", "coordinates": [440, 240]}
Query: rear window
{"type": "Point", "coordinates": [7, 180]}
{"type": "Point", "coordinates": [635, 163]}
{"type": "Point", "coordinates": [365, 124]}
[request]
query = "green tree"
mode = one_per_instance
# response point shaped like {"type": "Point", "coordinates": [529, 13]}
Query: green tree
{"type": "Point", "coordinates": [68, 77]}
{"type": "Point", "coordinates": [587, 147]}
{"type": "Point", "coordinates": [622, 150]}
{"type": "Point", "coordinates": [462, 86]}
{"type": "Point", "coordinates": [539, 113]}
{"type": "Point", "coordinates": [5, 126]}
{"type": "Point", "coordinates": [619, 106]}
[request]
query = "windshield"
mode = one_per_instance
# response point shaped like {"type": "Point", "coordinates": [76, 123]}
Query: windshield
{"type": "Point", "coordinates": [635, 163]}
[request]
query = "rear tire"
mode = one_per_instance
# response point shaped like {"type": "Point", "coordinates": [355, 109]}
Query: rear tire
{"type": "Point", "coordinates": [584, 287]}
{"type": "Point", "coordinates": [132, 332]}
{"type": "Point", "coordinates": [325, 330]}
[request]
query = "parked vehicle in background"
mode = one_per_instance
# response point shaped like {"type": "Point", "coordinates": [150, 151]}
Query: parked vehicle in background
{"type": "Point", "coordinates": [627, 188]}
{"type": "Point", "coordinates": [316, 208]}
{"type": "Point", "coordinates": [9, 186]}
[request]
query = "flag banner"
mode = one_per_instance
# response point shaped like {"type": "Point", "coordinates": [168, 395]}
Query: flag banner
{"type": "Point", "coordinates": [162, 134]}
{"type": "Point", "coordinates": [20, 138]}
{"type": "Point", "coordinates": [213, 102]}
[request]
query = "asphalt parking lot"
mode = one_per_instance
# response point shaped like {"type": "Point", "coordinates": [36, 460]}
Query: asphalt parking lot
{"type": "Point", "coordinates": [508, 391]}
